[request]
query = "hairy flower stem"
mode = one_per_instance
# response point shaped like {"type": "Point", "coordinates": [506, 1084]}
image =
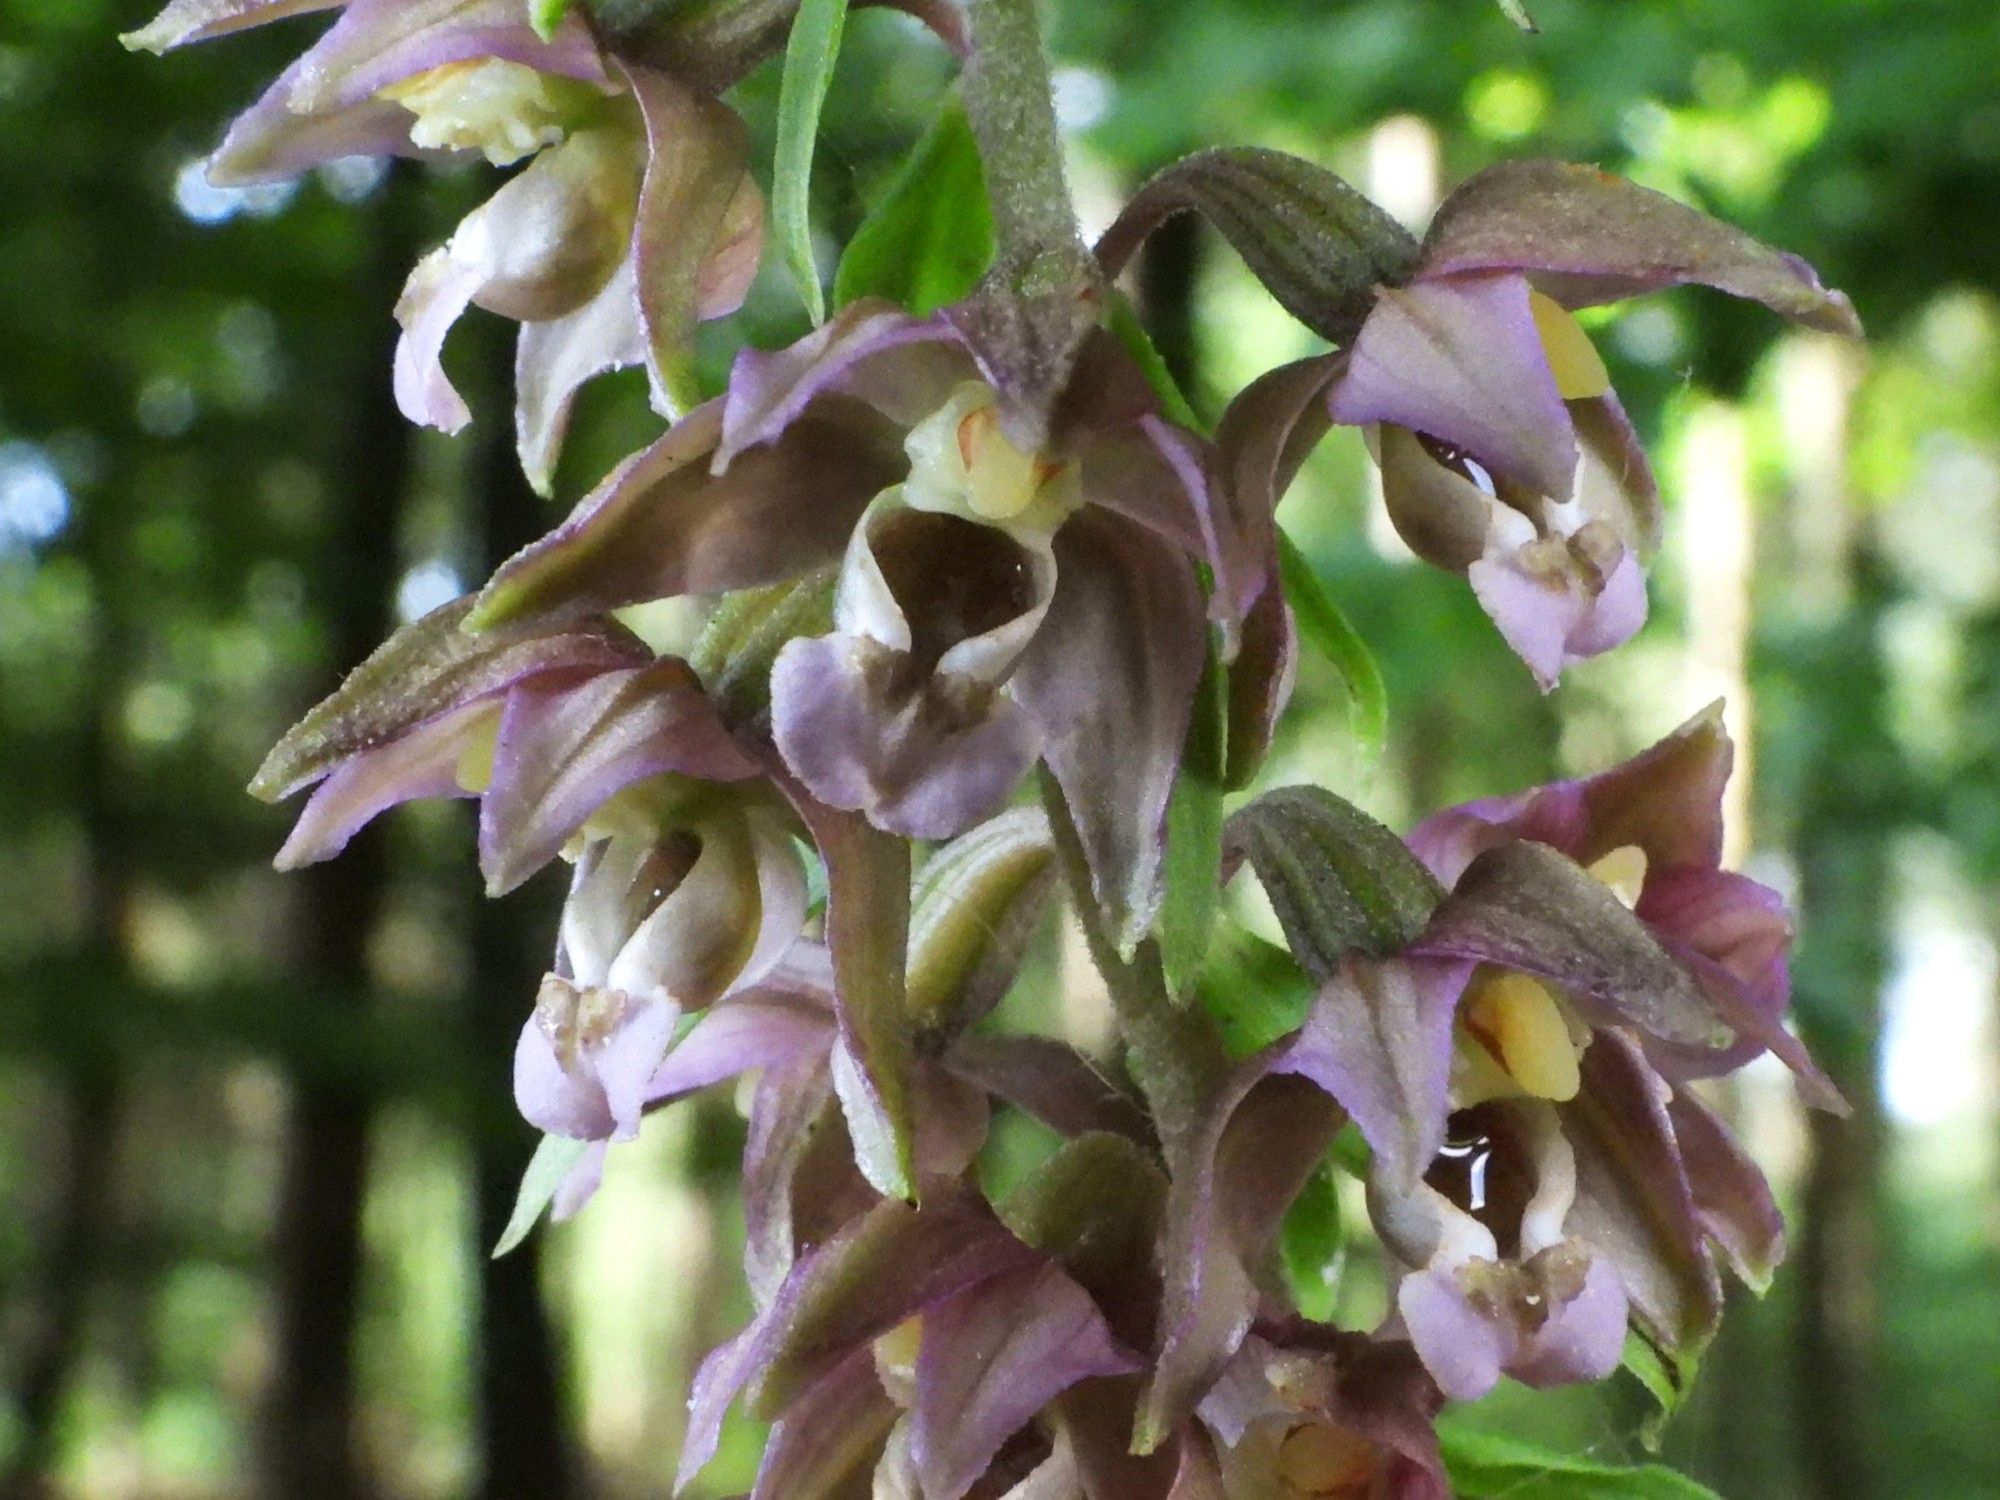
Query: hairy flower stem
{"type": "Point", "coordinates": [1176, 1055]}
{"type": "Point", "coordinates": [1011, 103]}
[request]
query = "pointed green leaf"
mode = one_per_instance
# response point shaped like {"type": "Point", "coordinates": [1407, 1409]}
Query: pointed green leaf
{"type": "Point", "coordinates": [930, 239]}
{"type": "Point", "coordinates": [1667, 1378]}
{"type": "Point", "coordinates": [1125, 326]}
{"type": "Point", "coordinates": [1323, 627]}
{"type": "Point", "coordinates": [809, 58]}
{"type": "Point", "coordinates": [1489, 1465]}
{"type": "Point", "coordinates": [547, 1168]}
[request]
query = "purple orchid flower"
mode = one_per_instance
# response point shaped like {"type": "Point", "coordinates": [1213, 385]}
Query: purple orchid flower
{"type": "Point", "coordinates": [1504, 452]}
{"type": "Point", "coordinates": [1520, 1071]}
{"type": "Point", "coordinates": [1305, 1412]}
{"type": "Point", "coordinates": [687, 884]}
{"type": "Point", "coordinates": [919, 1344]}
{"type": "Point", "coordinates": [634, 219]}
{"type": "Point", "coordinates": [993, 605]}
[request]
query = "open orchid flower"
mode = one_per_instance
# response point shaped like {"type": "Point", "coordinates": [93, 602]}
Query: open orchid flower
{"type": "Point", "coordinates": [1520, 1067]}
{"type": "Point", "coordinates": [920, 1343]}
{"type": "Point", "coordinates": [1307, 1413]}
{"type": "Point", "coordinates": [994, 606]}
{"type": "Point", "coordinates": [1505, 454]}
{"type": "Point", "coordinates": [634, 217]}
{"type": "Point", "coordinates": [658, 923]}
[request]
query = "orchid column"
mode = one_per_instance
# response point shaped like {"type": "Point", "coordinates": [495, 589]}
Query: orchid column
{"type": "Point", "coordinates": [986, 624]}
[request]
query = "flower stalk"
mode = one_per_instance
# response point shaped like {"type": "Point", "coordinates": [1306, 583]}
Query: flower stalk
{"type": "Point", "coordinates": [1176, 1056]}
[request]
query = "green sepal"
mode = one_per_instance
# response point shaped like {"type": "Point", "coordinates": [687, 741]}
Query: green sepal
{"type": "Point", "coordinates": [976, 903]}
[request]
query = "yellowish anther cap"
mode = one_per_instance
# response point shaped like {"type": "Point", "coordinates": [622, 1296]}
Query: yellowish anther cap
{"type": "Point", "coordinates": [1319, 1461]}
{"type": "Point", "coordinates": [1000, 480]}
{"type": "Point", "coordinates": [1624, 870]}
{"type": "Point", "coordinates": [1573, 359]}
{"type": "Point", "coordinates": [502, 109]}
{"type": "Point", "coordinates": [1521, 1025]}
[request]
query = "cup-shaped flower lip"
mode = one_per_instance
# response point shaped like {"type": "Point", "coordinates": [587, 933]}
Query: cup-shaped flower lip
{"type": "Point", "coordinates": [954, 596]}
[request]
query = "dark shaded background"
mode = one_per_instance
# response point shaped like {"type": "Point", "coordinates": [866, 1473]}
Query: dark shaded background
{"type": "Point", "coordinates": [255, 1131]}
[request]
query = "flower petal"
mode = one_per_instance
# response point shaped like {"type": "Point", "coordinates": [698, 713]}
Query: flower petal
{"type": "Point", "coordinates": [893, 1263]}
{"type": "Point", "coordinates": [867, 935]}
{"type": "Point", "coordinates": [1115, 664]}
{"type": "Point", "coordinates": [694, 188]}
{"type": "Point", "coordinates": [554, 359]}
{"type": "Point", "coordinates": [1633, 1203]}
{"type": "Point", "coordinates": [1461, 360]}
{"type": "Point", "coordinates": [1051, 1081]}
{"type": "Point", "coordinates": [991, 1359]}
{"type": "Point", "coordinates": [422, 762]}
{"type": "Point", "coordinates": [830, 1438]}
{"type": "Point", "coordinates": [1525, 907]}
{"type": "Point", "coordinates": [567, 747]}
{"type": "Point", "coordinates": [426, 668]}
{"type": "Point", "coordinates": [900, 366]}
{"type": "Point", "coordinates": [1730, 1191]}
{"type": "Point", "coordinates": [1263, 1135]}
{"type": "Point", "coordinates": [183, 22]}
{"type": "Point", "coordinates": [1555, 612]}
{"type": "Point", "coordinates": [1666, 802]}
{"type": "Point", "coordinates": [1589, 237]}
{"type": "Point", "coordinates": [1378, 1040]}
{"type": "Point", "coordinates": [661, 526]}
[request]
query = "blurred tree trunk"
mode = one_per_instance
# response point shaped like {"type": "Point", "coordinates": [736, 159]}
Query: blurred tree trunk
{"type": "Point", "coordinates": [1845, 847]}
{"type": "Point", "coordinates": [525, 1445]}
{"type": "Point", "coordinates": [92, 1080]}
{"type": "Point", "coordinates": [308, 1448]}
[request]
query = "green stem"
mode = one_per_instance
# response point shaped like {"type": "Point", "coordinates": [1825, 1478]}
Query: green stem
{"type": "Point", "coordinates": [1177, 1057]}
{"type": "Point", "coordinates": [1011, 102]}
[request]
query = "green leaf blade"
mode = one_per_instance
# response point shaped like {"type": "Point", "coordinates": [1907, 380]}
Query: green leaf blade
{"type": "Point", "coordinates": [930, 239]}
{"type": "Point", "coordinates": [810, 55]}
{"type": "Point", "coordinates": [1326, 629]}
{"type": "Point", "coordinates": [1486, 1465]}
{"type": "Point", "coordinates": [552, 1162]}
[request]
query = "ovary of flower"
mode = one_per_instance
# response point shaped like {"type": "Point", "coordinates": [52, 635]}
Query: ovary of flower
{"type": "Point", "coordinates": [1573, 359]}
{"type": "Point", "coordinates": [1624, 870]}
{"type": "Point", "coordinates": [1519, 1023]}
{"type": "Point", "coordinates": [505, 110]}
{"type": "Point", "coordinates": [1318, 1461]}
{"type": "Point", "coordinates": [961, 462]}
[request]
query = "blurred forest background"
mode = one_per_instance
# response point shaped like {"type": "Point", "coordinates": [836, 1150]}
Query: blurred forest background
{"type": "Point", "coordinates": [256, 1133]}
